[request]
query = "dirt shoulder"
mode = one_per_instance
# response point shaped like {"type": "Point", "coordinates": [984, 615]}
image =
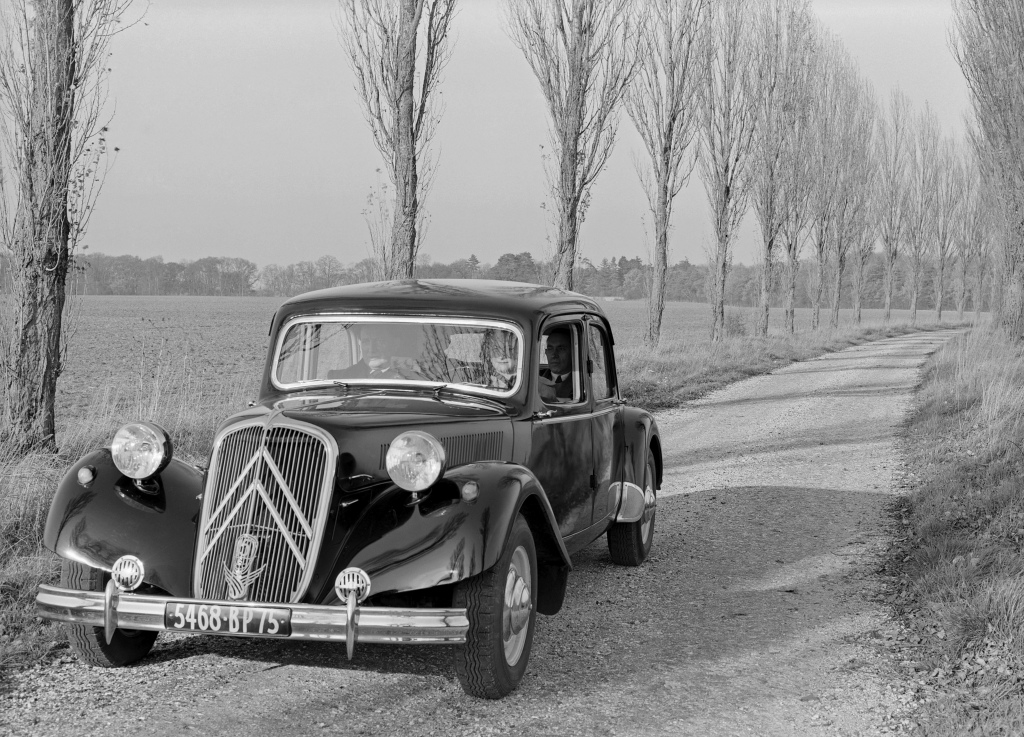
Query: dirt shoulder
{"type": "Point", "coordinates": [759, 612]}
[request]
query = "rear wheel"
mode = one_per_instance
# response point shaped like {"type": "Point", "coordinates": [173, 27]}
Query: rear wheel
{"type": "Point", "coordinates": [500, 607]}
{"type": "Point", "coordinates": [90, 643]}
{"type": "Point", "coordinates": [630, 542]}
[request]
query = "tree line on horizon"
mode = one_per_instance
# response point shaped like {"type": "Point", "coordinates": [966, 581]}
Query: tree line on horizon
{"type": "Point", "coordinates": [621, 278]}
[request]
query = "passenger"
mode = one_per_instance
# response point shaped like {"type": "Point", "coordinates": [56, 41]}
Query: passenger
{"type": "Point", "coordinates": [500, 349]}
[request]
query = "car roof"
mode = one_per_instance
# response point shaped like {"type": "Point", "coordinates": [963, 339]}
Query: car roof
{"type": "Point", "coordinates": [524, 303]}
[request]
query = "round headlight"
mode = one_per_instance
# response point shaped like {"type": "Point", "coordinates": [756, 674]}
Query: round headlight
{"type": "Point", "coordinates": [415, 460]}
{"type": "Point", "coordinates": [141, 450]}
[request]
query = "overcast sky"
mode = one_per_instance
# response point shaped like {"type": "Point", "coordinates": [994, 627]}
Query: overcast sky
{"type": "Point", "coordinates": [240, 134]}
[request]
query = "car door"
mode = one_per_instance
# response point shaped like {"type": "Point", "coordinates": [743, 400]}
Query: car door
{"type": "Point", "coordinates": [606, 418]}
{"type": "Point", "coordinates": [561, 450]}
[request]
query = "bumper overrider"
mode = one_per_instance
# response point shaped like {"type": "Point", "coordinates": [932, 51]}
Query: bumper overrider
{"type": "Point", "coordinates": [115, 608]}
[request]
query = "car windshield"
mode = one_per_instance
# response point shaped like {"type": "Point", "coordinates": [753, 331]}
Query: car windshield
{"type": "Point", "coordinates": [480, 355]}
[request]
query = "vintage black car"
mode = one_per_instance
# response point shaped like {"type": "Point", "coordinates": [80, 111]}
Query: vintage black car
{"type": "Point", "coordinates": [423, 459]}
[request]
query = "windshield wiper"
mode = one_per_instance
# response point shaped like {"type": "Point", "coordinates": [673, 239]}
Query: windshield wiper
{"type": "Point", "coordinates": [487, 400]}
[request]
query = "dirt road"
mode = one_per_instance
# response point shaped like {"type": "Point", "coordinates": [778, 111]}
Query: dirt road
{"type": "Point", "coordinates": [759, 611]}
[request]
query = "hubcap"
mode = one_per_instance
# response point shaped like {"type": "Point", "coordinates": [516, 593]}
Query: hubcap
{"type": "Point", "coordinates": [650, 505]}
{"type": "Point", "coordinates": [517, 606]}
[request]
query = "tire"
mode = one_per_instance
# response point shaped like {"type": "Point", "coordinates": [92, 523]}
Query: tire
{"type": "Point", "coordinates": [630, 542]}
{"type": "Point", "coordinates": [492, 662]}
{"type": "Point", "coordinates": [90, 643]}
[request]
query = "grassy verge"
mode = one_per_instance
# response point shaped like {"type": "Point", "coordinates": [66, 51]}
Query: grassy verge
{"type": "Point", "coordinates": [961, 562]}
{"type": "Point", "coordinates": [190, 408]}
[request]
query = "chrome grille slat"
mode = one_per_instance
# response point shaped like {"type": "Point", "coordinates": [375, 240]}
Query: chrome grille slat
{"type": "Point", "coordinates": [275, 484]}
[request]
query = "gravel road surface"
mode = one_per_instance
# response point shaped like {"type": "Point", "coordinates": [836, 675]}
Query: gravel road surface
{"type": "Point", "coordinates": [759, 612]}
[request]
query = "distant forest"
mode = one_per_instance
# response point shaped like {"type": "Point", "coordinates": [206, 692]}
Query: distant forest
{"type": "Point", "coordinates": [622, 278]}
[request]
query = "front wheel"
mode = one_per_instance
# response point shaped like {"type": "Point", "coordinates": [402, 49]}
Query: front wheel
{"type": "Point", "coordinates": [500, 607]}
{"type": "Point", "coordinates": [90, 643]}
{"type": "Point", "coordinates": [630, 542]}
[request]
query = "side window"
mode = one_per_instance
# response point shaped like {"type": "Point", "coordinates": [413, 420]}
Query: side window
{"type": "Point", "coordinates": [600, 381]}
{"type": "Point", "coordinates": [560, 378]}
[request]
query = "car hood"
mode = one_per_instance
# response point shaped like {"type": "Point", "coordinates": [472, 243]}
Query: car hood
{"type": "Point", "coordinates": [363, 426]}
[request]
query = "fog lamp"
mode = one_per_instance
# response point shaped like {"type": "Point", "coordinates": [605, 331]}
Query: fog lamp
{"type": "Point", "coordinates": [415, 460]}
{"type": "Point", "coordinates": [141, 450]}
{"type": "Point", "coordinates": [128, 573]}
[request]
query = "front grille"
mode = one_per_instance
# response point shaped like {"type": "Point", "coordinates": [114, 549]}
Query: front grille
{"type": "Point", "coordinates": [264, 511]}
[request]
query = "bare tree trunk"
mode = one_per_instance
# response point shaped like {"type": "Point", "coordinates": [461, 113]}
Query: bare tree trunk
{"type": "Point", "coordinates": [940, 288]}
{"type": "Point", "coordinates": [403, 232]}
{"type": "Point", "coordinates": [765, 283]}
{"type": "Point", "coordinates": [792, 270]}
{"type": "Point", "coordinates": [718, 302]}
{"type": "Point", "coordinates": [819, 289]}
{"type": "Point", "coordinates": [42, 231]}
{"type": "Point", "coordinates": [837, 292]}
{"type": "Point", "coordinates": [656, 308]}
{"type": "Point", "coordinates": [888, 279]}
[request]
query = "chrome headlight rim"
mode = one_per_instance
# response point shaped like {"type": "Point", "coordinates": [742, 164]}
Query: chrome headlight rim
{"type": "Point", "coordinates": [156, 443]}
{"type": "Point", "coordinates": [415, 460]}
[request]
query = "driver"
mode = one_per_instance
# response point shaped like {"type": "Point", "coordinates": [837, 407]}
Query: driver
{"type": "Point", "coordinates": [380, 348]}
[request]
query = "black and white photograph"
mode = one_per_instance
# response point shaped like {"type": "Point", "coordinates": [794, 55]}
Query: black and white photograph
{"type": "Point", "coordinates": [512, 367]}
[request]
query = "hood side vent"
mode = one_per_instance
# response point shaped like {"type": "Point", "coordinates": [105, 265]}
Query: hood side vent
{"type": "Point", "coordinates": [462, 449]}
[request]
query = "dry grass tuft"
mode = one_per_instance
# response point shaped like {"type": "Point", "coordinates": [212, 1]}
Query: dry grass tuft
{"type": "Point", "coordinates": [965, 559]}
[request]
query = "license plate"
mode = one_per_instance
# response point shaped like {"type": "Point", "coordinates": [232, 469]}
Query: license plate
{"type": "Point", "coordinates": [228, 620]}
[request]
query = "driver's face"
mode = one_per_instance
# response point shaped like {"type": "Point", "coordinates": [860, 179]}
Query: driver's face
{"type": "Point", "coordinates": [376, 345]}
{"type": "Point", "coordinates": [559, 353]}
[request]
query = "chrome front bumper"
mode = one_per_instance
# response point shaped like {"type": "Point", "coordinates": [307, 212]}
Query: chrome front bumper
{"type": "Point", "coordinates": [112, 609]}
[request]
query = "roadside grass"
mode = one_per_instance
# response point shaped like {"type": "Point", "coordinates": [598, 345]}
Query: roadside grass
{"type": "Point", "coordinates": [961, 565]}
{"type": "Point", "coordinates": [186, 396]}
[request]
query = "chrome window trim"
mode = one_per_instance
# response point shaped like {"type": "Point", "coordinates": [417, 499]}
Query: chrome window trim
{"type": "Point", "coordinates": [326, 493]}
{"type": "Point", "coordinates": [414, 319]}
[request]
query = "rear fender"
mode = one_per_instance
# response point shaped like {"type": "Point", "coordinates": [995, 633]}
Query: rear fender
{"type": "Point", "coordinates": [96, 524]}
{"type": "Point", "coordinates": [642, 439]}
{"type": "Point", "coordinates": [437, 544]}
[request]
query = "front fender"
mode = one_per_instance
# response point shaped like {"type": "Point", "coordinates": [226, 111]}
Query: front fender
{"type": "Point", "coordinates": [433, 544]}
{"type": "Point", "coordinates": [98, 523]}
